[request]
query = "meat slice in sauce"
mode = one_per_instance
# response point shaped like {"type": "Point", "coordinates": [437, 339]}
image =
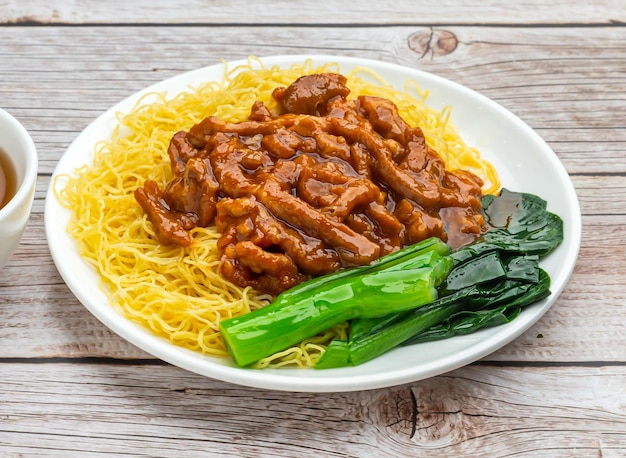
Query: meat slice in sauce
{"type": "Point", "coordinates": [309, 94]}
{"type": "Point", "coordinates": [352, 248]}
{"type": "Point", "coordinates": [324, 183]}
{"type": "Point", "coordinates": [194, 191]}
{"type": "Point", "coordinates": [180, 151]}
{"type": "Point", "coordinates": [171, 226]}
{"type": "Point", "coordinates": [290, 254]}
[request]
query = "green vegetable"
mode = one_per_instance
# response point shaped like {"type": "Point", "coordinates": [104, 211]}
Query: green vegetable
{"type": "Point", "coordinates": [397, 282]}
{"type": "Point", "coordinates": [431, 243]}
{"type": "Point", "coordinates": [521, 223]}
{"type": "Point", "coordinates": [501, 308]}
{"type": "Point", "coordinates": [491, 281]}
{"type": "Point", "coordinates": [466, 322]}
{"type": "Point", "coordinates": [373, 337]}
{"type": "Point", "coordinates": [337, 354]}
{"type": "Point", "coordinates": [395, 331]}
{"type": "Point", "coordinates": [484, 267]}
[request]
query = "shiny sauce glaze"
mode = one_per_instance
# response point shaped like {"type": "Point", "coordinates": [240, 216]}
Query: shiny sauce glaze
{"type": "Point", "coordinates": [326, 183]}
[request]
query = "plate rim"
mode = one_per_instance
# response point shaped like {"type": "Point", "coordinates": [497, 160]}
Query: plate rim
{"type": "Point", "coordinates": [296, 379]}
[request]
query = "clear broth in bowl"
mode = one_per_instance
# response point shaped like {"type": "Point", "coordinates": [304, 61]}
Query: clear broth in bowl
{"type": "Point", "coordinates": [8, 179]}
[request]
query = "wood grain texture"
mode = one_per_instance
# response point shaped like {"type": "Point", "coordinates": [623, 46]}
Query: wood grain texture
{"type": "Point", "coordinates": [219, 12]}
{"type": "Point", "coordinates": [94, 409]}
{"type": "Point", "coordinates": [70, 387]}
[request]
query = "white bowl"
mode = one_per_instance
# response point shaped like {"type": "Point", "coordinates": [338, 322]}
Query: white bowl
{"type": "Point", "coordinates": [17, 144]}
{"type": "Point", "coordinates": [524, 161]}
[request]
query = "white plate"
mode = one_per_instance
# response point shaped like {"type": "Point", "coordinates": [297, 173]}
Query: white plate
{"type": "Point", "coordinates": [524, 161]}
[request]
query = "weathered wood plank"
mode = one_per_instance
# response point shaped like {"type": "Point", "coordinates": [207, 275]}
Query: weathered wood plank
{"type": "Point", "coordinates": [320, 12]}
{"type": "Point", "coordinates": [90, 409]}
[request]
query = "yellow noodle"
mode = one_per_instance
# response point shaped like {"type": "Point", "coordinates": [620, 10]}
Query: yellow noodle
{"type": "Point", "coordinates": [178, 293]}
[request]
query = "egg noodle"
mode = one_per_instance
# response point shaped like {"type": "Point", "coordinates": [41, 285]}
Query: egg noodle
{"type": "Point", "coordinates": [178, 293]}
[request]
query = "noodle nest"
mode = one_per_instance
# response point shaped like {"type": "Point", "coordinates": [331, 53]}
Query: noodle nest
{"type": "Point", "coordinates": [178, 293]}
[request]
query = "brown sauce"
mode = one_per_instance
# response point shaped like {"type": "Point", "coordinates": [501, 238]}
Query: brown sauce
{"type": "Point", "coordinates": [8, 179]}
{"type": "Point", "coordinates": [324, 184]}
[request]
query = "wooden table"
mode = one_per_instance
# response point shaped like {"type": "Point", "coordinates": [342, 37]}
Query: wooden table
{"type": "Point", "coordinates": [70, 387]}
